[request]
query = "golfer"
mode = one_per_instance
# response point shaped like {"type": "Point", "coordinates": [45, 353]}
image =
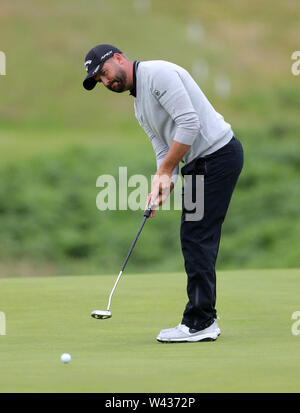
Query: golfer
{"type": "Point", "coordinates": [182, 126]}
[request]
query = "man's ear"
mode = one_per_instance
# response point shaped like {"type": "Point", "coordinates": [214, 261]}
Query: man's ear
{"type": "Point", "coordinates": [118, 58]}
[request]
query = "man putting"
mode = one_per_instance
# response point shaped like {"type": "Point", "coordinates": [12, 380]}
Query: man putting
{"type": "Point", "coordinates": [183, 127]}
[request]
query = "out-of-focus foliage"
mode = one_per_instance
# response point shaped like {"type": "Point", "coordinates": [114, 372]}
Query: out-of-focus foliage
{"type": "Point", "coordinates": [56, 138]}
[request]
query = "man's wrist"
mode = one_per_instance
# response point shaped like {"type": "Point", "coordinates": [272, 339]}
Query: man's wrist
{"type": "Point", "coordinates": [165, 170]}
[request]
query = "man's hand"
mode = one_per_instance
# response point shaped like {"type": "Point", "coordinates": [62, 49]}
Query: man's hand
{"type": "Point", "coordinates": [161, 187]}
{"type": "Point", "coordinates": [160, 199]}
{"type": "Point", "coordinates": [162, 184]}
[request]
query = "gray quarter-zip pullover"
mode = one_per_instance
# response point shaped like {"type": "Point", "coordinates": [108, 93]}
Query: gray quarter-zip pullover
{"type": "Point", "coordinates": [169, 105]}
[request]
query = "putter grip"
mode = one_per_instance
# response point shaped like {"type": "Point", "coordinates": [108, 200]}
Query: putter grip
{"type": "Point", "coordinates": [148, 211]}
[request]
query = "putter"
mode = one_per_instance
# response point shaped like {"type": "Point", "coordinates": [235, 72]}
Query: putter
{"type": "Point", "coordinates": [103, 314]}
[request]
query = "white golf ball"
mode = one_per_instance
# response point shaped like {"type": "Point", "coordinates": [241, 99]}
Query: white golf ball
{"type": "Point", "coordinates": [65, 358]}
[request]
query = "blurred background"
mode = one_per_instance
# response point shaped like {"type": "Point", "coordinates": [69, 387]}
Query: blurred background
{"type": "Point", "coordinates": [56, 138]}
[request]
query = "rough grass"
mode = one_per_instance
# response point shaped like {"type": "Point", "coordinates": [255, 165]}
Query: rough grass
{"type": "Point", "coordinates": [251, 43]}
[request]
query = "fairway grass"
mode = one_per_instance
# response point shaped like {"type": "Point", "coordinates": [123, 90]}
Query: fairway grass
{"type": "Point", "coordinates": [46, 317]}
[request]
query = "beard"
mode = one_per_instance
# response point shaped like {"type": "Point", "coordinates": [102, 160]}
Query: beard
{"type": "Point", "coordinates": [118, 84]}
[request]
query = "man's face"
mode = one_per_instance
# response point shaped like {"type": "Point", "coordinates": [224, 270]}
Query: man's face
{"type": "Point", "coordinates": [113, 76]}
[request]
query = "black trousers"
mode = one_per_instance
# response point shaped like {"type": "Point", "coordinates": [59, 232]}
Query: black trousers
{"type": "Point", "coordinates": [200, 239]}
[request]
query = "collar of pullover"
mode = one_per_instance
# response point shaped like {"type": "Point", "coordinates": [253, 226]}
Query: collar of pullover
{"type": "Point", "coordinates": [133, 90]}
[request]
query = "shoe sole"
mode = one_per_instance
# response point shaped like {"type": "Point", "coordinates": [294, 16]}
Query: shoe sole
{"type": "Point", "coordinates": [195, 339]}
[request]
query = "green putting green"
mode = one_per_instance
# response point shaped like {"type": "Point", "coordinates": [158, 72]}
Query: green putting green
{"type": "Point", "coordinates": [46, 317]}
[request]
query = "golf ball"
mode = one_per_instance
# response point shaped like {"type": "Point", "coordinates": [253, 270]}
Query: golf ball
{"type": "Point", "coordinates": [65, 358]}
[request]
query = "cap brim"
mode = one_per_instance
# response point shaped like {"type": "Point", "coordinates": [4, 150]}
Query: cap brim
{"type": "Point", "coordinates": [89, 83]}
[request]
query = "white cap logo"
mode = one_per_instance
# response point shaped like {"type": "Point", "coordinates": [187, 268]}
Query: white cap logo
{"type": "Point", "coordinates": [106, 54]}
{"type": "Point", "coordinates": [86, 64]}
{"type": "Point", "coordinates": [96, 70]}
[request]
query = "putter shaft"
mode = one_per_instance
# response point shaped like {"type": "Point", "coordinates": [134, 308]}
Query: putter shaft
{"type": "Point", "coordinates": [146, 215]}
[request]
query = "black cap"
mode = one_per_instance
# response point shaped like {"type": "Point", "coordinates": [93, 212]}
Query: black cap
{"type": "Point", "coordinates": [94, 61]}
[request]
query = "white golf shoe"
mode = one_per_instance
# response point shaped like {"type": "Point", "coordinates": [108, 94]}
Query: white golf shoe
{"type": "Point", "coordinates": [182, 333]}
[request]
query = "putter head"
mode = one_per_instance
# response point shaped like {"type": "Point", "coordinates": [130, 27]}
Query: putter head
{"type": "Point", "coordinates": [101, 315]}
